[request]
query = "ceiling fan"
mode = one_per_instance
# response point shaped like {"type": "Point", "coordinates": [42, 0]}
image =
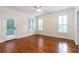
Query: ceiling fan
{"type": "Point", "coordinates": [39, 8]}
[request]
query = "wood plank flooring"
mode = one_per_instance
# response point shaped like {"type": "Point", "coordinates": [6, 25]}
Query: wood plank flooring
{"type": "Point", "coordinates": [38, 44]}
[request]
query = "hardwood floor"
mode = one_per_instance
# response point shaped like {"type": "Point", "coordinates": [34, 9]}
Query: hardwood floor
{"type": "Point", "coordinates": [38, 44]}
{"type": "Point", "coordinates": [78, 49]}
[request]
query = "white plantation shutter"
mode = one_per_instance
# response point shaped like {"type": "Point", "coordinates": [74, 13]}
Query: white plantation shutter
{"type": "Point", "coordinates": [40, 24]}
{"type": "Point", "coordinates": [62, 27]}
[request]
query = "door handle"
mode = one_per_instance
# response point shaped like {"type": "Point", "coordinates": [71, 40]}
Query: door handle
{"type": "Point", "coordinates": [14, 28]}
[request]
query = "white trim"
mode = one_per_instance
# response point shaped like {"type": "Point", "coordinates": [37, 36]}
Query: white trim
{"type": "Point", "coordinates": [5, 30]}
{"type": "Point", "coordinates": [53, 36]}
{"type": "Point", "coordinates": [16, 37]}
{"type": "Point", "coordinates": [25, 35]}
{"type": "Point", "coordinates": [5, 40]}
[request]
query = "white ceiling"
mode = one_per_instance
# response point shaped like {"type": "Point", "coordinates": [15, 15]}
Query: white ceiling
{"type": "Point", "coordinates": [31, 9]}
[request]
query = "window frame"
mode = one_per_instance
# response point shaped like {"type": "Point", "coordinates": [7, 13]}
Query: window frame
{"type": "Point", "coordinates": [41, 25]}
{"type": "Point", "coordinates": [62, 25]}
{"type": "Point", "coordinates": [30, 24]}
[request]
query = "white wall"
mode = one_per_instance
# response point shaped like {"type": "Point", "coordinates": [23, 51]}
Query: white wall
{"type": "Point", "coordinates": [51, 24]}
{"type": "Point", "coordinates": [21, 22]}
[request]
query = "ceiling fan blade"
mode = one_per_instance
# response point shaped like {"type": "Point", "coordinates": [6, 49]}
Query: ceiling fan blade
{"type": "Point", "coordinates": [37, 7]}
{"type": "Point", "coordinates": [40, 7]}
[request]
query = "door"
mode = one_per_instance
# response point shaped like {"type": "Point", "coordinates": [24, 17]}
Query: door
{"type": "Point", "coordinates": [0, 30]}
{"type": "Point", "coordinates": [31, 26]}
{"type": "Point", "coordinates": [9, 28]}
{"type": "Point", "coordinates": [78, 28]}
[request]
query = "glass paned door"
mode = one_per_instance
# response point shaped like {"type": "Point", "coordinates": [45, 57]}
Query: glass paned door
{"type": "Point", "coordinates": [78, 28]}
{"type": "Point", "coordinates": [10, 29]}
{"type": "Point", "coordinates": [0, 29]}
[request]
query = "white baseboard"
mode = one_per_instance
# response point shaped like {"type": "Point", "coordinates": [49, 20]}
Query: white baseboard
{"type": "Point", "coordinates": [17, 37]}
{"type": "Point", "coordinates": [25, 35]}
{"type": "Point", "coordinates": [54, 36]}
{"type": "Point", "coordinates": [76, 42]}
{"type": "Point", "coordinates": [3, 40]}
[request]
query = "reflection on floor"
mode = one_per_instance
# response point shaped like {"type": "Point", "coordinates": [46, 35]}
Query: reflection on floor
{"type": "Point", "coordinates": [39, 44]}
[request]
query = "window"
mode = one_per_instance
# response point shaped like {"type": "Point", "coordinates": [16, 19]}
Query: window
{"type": "Point", "coordinates": [30, 25]}
{"type": "Point", "coordinates": [62, 26]}
{"type": "Point", "coordinates": [40, 24]}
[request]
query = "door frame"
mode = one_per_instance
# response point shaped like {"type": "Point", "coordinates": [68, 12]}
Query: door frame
{"type": "Point", "coordinates": [77, 28]}
{"type": "Point", "coordinates": [5, 28]}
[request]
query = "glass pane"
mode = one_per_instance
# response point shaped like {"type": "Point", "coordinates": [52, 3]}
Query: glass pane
{"type": "Point", "coordinates": [10, 27]}
{"type": "Point", "coordinates": [60, 28]}
{"type": "Point", "coordinates": [38, 28]}
{"type": "Point", "coordinates": [64, 28]}
{"type": "Point", "coordinates": [39, 22]}
{"type": "Point", "coordinates": [60, 19]}
{"type": "Point", "coordinates": [40, 25]}
{"type": "Point", "coordinates": [30, 24]}
{"type": "Point", "coordinates": [65, 19]}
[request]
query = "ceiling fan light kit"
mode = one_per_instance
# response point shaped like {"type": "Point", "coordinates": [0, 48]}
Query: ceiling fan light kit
{"type": "Point", "coordinates": [39, 10]}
